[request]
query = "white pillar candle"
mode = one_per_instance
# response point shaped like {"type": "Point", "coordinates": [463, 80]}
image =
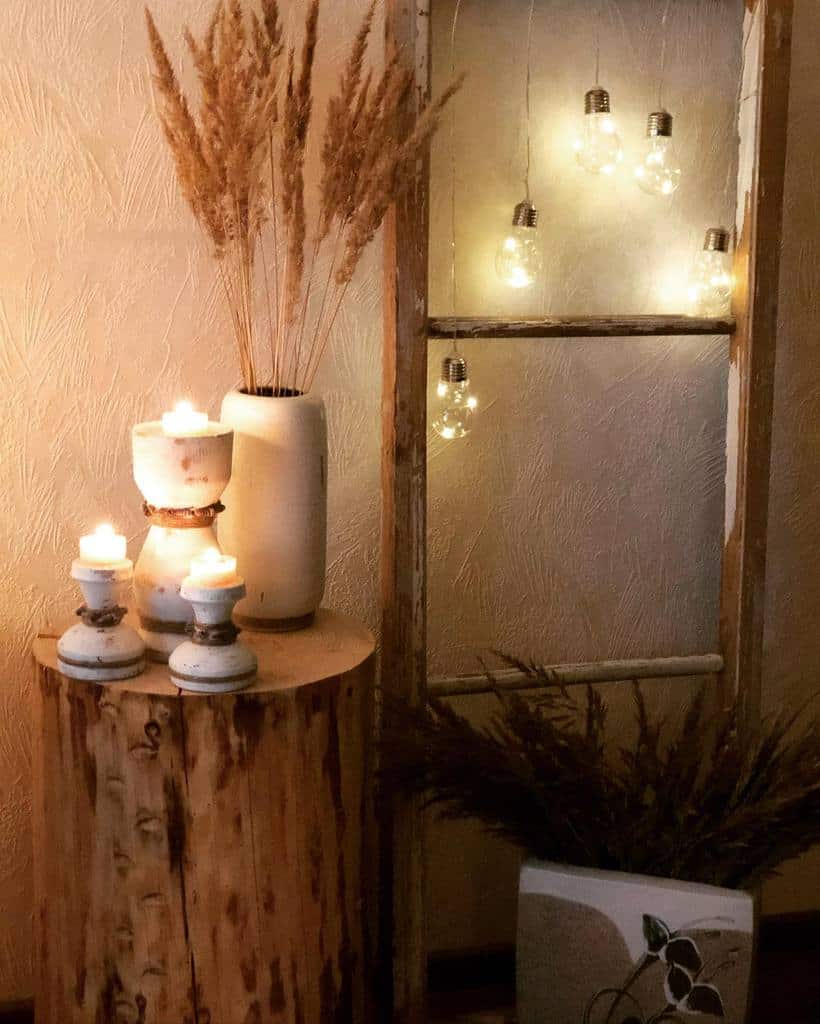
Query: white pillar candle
{"type": "Point", "coordinates": [184, 421]}
{"type": "Point", "coordinates": [213, 569]}
{"type": "Point", "coordinates": [103, 546]}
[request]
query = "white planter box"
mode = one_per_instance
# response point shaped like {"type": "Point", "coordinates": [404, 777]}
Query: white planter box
{"type": "Point", "coordinates": [600, 947]}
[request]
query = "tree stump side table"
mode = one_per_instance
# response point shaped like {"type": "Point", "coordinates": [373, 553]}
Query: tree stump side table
{"type": "Point", "coordinates": [208, 859]}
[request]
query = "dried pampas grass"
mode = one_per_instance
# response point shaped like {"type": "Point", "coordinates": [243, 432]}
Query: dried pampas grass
{"type": "Point", "coordinates": [691, 799]}
{"type": "Point", "coordinates": [240, 162]}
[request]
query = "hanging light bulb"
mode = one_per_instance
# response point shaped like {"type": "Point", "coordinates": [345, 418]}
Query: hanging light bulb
{"type": "Point", "coordinates": [658, 173]}
{"type": "Point", "coordinates": [518, 259]}
{"type": "Point", "coordinates": [711, 281]}
{"type": "Point", "coordinates": [598, 149]}
{"type": "Point", "coordinates": [455, 406]}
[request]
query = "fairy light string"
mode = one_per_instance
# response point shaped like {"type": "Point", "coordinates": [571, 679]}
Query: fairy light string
{"type": "Point", "coordinates": [663, 54]}
{"type": "Point", "coordinates": [453, 275]}
{"type": "Point", "coordinates": [527, 99]}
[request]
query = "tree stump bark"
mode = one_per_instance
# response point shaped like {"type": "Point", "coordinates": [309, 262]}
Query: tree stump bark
{"type": "Point", "coordinates": [208, 859]}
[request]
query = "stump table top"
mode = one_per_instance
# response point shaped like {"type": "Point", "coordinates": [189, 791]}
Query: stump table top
{"type": "Point", "coordinates": [332, 646]}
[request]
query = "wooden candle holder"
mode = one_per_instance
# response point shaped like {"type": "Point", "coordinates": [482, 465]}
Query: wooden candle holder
{"type": "Point", "coordinates": [101, 648]}
{"type": "Point", "coordinates": [213, 660]}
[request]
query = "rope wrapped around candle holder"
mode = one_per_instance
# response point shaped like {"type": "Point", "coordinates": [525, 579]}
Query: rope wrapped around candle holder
{"type": "Point", "coordinates": [183, 518]}
{"type": "Point", "coordinates": [102, 618]}
{"type": "Point", "coordinates": [216, 634]}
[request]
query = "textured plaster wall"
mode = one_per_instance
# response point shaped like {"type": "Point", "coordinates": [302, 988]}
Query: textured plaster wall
{"type": "Point", "coordinates": [109, 311]}
{"type": "Point", "coordinates": [595, 470]}
{"type": "Point", "coordinates": [582, 517]}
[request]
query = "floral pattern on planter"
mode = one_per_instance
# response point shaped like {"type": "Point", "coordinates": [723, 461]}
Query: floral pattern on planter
{"type": "Point", "coordinates": [604, 947]}
{"type": "Point", "coordinates": [687, 984]}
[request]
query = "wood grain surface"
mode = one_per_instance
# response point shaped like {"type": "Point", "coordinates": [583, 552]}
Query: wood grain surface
{"type": "Point", "coordinates": [404, 530]}
{"type": "Point", "coordinates": [579, 326]}
{"type": "Point", "coordinates": [762, 126]}
{"type": "Point", "coordinates": [208, 860]}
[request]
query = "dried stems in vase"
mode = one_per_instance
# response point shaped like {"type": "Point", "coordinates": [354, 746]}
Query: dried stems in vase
{"type": "Point", "coordinates": [240, 163]}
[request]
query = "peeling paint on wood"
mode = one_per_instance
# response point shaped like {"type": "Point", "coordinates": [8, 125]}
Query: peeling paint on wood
{"type": "Point", "coordinates": [762, 124]}
{"type": "Point", "coordinates": [402, 952]}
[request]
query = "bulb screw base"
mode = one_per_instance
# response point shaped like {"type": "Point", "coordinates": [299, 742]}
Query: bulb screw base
{"type": "Point", "coordinates": [525, 215]}
{"type": "Point", "coordinates": [453, 370]}
{"type": "Point", "coordinates": [596, 101]}
{"type": "Point", "coordinates": [659, 124]}
{"type": "Point", "coordinates": [716, 240]}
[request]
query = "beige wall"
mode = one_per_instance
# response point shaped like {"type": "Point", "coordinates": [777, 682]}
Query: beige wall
{"type": "Point", "coordinates": [108, 312]}
{"type": "Point", "coordinates": [583, 516]}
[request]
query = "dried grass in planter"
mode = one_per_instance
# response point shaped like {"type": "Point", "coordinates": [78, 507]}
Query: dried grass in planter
{"type": "Point", "coordinates": [690, 800]}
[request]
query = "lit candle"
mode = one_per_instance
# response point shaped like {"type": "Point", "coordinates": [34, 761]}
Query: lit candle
{"type": "Point", "coordinates": [184, 421]}
{"type": "Point", "coordinates": [213, 569]}
{"type": "Point", "coordinates": [103, 546]}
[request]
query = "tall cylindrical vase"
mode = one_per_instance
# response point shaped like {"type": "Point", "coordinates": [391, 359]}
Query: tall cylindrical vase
{"type": "Point", "coordinates": [275, 519]}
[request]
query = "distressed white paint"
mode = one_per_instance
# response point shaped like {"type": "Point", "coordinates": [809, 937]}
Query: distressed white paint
{"type": "Point", "coordinates": [162, 565]}
{"type": "Point", "coordinates": [174, 473]}
{"type": "Point", "coordinates": [220, 668]}
{"type": "Point", "coordinates": [747, 113]}
{"type": "Point", "coordinates": [102, 653]}
{"type": "Point", "coordinates": [181, 472]}
{"type": "Point", "coordinates": [732, 439]}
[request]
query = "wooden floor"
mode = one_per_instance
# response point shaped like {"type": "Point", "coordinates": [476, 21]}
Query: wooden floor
{"type": "Point", "coordinates": [480, 990]}
{"type": "Point", "coordinates": [788, 988]}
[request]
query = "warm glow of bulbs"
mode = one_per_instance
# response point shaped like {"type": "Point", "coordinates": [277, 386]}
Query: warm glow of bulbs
{"type": "Point", "coordinates": [711, 284]}
{"type": "Point", "coordinates": [456, 408]}
{"type": "Point", "coordinates": [658, 173]}
{"type": "Point", "coordinates": [518, 260]}
{"type": "Point", "coordinates": [598, 149]}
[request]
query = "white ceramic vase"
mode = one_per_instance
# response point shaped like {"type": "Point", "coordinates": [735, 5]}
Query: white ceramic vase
{"type": "Point", "coordinates": [275, 518]}
{"type": "Point", "coordinates": [602, 946]}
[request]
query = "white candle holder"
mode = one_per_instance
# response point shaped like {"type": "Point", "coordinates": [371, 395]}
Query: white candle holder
{"type": "Point", "coordinates": [213, 660]}
{"type": "Point", "coordinates": [181, 480]}
{"type": "Point", "coordinates": [101, 647]}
